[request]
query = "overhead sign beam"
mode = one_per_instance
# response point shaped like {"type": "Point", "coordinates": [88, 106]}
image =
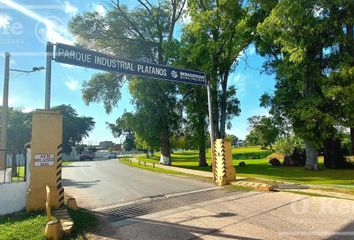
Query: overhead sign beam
{"type": "Point", "coordinates": [87, 58]}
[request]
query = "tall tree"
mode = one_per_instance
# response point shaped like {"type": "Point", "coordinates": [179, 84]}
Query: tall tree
{"type": "Point", "coordinates": [339, 60]}
{"type": "Point", "coordinates": [265, 129]}
{"type": "Point", "coordinates": [219, 32]}
{"type": "Point", "coordinates": [144, 33]}
{"type": "Point", "coordinates": [294, 37]}
{"type": "Point", "coordinates": [75, 128]}
{"type": "Point", "coordinates": [19, 129]}
{"type": "Point", "coordinates": [195, 102]}
{"type": "Point", "coordinates": [135, 124]}
{"type": "Point", "coordinates": [309, 45]}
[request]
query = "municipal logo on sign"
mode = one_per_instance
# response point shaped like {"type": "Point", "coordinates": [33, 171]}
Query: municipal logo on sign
{"type": "Point", "coordinates": [42, 160]}
{"type": "Point", "coordinates": [174, 74]}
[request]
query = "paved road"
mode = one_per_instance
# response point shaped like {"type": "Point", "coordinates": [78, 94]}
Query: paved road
{"type": "Point", "coordinates": [103, 183]}
{"type": "Point", "coordinates": [245, 216]}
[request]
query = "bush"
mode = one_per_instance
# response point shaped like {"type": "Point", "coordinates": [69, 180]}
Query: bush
{"type": "Point", "coordinates": [287, 145]}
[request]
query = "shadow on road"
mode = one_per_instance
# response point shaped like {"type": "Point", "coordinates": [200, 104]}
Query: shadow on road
{"type": "Point", "coordinates": [79, 184]}
{"type": "Point", "coordinates": [140, 228]}
{"type": "Point", "coordinates": [346, 233]}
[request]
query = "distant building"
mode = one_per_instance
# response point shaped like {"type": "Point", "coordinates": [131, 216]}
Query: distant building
{"type": "Point", "coordinates": [241, 143]}
{"type": "Point", "coordinates": [117, 147]}
{"type": "Point", "coordinates": [106, 144]}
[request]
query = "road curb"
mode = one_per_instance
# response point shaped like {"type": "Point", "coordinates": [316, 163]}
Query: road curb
{"type": "Point", "coordinates": [254, 185]}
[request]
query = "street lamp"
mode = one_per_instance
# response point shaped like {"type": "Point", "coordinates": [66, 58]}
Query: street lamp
{"type": "Point", "coordinates": [34, 69]}
{"type": "Point", "coordinates": [5, 103]}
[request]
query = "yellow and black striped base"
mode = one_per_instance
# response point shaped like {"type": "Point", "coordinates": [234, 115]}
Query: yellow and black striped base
{"type": "Point", "coordinates": [60, 188]}
{"type": "Point", "coordinates": [220, 162]}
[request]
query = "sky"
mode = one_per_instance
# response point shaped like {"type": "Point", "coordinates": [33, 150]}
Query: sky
{"type": "Point", "coordinates": [26, 26]}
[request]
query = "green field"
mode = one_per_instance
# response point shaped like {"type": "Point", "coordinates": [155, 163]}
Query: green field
{"type": "Point", "coordinates": [22, 226]}
{"type": "Point", "coordinates": [257, 166]}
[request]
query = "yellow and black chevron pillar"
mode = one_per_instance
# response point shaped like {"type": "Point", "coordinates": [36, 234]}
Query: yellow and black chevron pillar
{"type": "Point", "coordinates": [60, 188]}
{"type": "Point", "coordinates": [220, 162]}
{"type": "Point", "coordinates": [224, 169]}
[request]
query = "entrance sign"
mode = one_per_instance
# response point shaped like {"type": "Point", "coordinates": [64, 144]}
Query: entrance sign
{"type": "Point", "coordinates": [87, 58]}
{"type": "Point", "coordinates": [72, 55]}
{"type": "Point", "coordinates": [42, 160]}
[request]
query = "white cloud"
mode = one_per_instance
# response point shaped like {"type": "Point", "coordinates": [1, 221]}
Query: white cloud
{"type": "Point", "coordinates": [72, 84]}
{"type": "Point", "coordinates": [56, 31]}
{"type": "Point", "coordinates": [4, 21]}
{"type": "Point", "coordinates": [240, 82]}
{"type": "Point", "coordinates": [27, 109]}
{"type": "Point", "coordinates": [69, 8]}
{"type": "Point", "coordinates": [99, 9]}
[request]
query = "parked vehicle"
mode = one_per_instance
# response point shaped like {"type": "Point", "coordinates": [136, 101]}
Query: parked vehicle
{"type": "Point", "coordinates": [112, 155]}
{"type": "Point", "coordinates": [87, 155]}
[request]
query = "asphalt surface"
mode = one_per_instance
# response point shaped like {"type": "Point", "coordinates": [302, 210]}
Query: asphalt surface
{"type": "Point", "coordinates": [104, 183]}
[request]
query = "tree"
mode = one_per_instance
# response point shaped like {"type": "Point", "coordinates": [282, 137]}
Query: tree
{"type": "Point", "coordinates": [129, 142]}
{"type": "Point", "coordinates": [18, 132]}
{"type": "Point", "coordinates": [145, 33]}
{"type": "Point", "coordinates": [287, 144]}
{"type": "Point", "coordinates": [252, 139]}
{"type": "Point", "coordinates": [233, 138]}
{"type": "Point", "coordinates": [145, 137]}
{"type": "Point", "coordinates": [19, 129]}
{"type": "Point", "coordinates": [123, 127]}
{"type": "Point", "coordinates": [218, 33]}
{"type": "Point", "coordinates": [294, 37]}
{"type": "Point", "coordinates": [75, 128]}
{"type": "Point", "coordinates": [264, 129]}
{"type": "Point", "coordinates": [339, 60]}
{"type": "Point", "coordinates": [195, 103]}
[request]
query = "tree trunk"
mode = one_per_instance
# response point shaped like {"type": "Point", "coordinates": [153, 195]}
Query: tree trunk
{"type": "Point", "coordinates": [202, 147]}
{"type": "Point", "coordinates": [223, 107]}
{"type": "Point", "coordinates": [215, 109]}
{"type": "Point", "coordinates": [271, 148]}
{"type": "Point", "coordinates": [352, 139]}
{"type": "Point", "coordinates": [165, 157]}
{"type": "Point", "coordinates": [311, 156]}
{"type": "Point", "coordinates": [152, 152]}
{"type": "Point", "coordinates": [202, 156]}
{"type": "Point", "coordinates": [333, 156]}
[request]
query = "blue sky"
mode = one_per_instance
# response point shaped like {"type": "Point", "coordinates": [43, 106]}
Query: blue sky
{"type": "Point", "coordinates": [25, 26]}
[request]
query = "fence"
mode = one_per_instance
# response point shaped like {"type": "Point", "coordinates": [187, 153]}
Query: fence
{"type": "Point", "coordinates": [15, 166]}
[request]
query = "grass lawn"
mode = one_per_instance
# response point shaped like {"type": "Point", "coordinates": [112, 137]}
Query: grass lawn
{"type": "Point", "coordinates": [65, 163]}
{"type": "Point", "coordinates": [150, 168]}
{"type": "Point", "coordinates": [21, 174]}
{"type": "Point", "coordinates": [23, 225]}
{"type": "Point", "coordinates": [257, 166]}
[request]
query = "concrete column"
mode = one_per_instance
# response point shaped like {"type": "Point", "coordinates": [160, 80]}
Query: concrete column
{"type": "Point", "coordinates": [45, 165]}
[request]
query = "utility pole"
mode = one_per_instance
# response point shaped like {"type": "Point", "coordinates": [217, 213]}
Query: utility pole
{"type": "Point", "coordinates": [4, 117]}
{"type": "Point", "coordinates": [48, 74]}
{"type": "Point", "coordinates": [212, 140]}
